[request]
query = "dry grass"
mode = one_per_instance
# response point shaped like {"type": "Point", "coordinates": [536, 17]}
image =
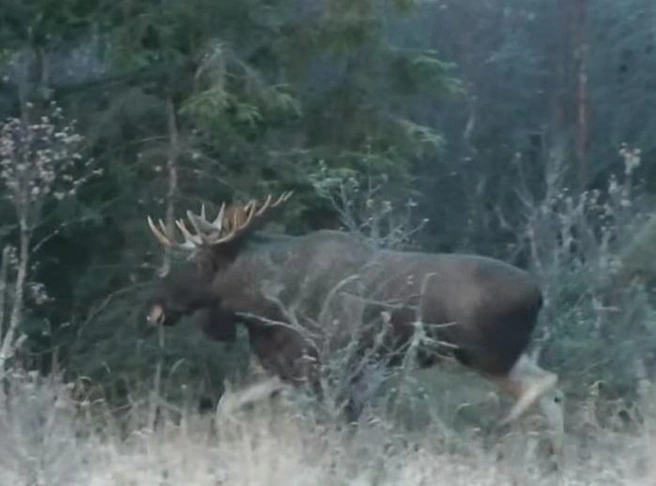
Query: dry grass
{"type": "Point", "coordinates": [45, 440]}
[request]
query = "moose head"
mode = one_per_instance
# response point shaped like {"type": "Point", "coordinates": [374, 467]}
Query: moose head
{"type": "Point", "coordinates": [211, 246]}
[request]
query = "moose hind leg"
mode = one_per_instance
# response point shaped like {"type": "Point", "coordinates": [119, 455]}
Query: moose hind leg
{"type": "Point", "coordinates": [529, 384]}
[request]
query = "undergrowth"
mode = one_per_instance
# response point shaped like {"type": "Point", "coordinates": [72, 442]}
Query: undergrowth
{"type": "Point", "coordinates": [49, 438]}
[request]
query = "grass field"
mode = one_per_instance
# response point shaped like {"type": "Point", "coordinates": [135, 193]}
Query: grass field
{"type": "Point", "coordinates": [45, 439]}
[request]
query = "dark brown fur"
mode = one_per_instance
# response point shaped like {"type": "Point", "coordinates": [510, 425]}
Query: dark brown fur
{"type": "Point", "coordinates": [329, 283]}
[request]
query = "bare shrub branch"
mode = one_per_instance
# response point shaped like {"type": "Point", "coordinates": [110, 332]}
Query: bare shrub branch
{"type": "Point", "coordinates": [583, 247]}
{"type": "Point", "coordinates": [364, 208]}
{"type": "Point", "coordinates": [40, 161]}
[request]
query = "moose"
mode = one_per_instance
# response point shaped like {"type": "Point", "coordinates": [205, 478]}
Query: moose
{"type": "Point", "coordinates": [290, 291]}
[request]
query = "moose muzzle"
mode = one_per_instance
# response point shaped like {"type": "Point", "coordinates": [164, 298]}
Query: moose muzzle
{"type": "Point", "coordinates": [156, 315]}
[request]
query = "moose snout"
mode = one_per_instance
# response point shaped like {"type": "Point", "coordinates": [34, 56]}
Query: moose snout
{"type": "Point", "coordinates": [156, 315]}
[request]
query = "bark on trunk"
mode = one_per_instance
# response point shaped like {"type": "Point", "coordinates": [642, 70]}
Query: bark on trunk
{"type": "Point", "coordinates": [9, 344]}
{"type": "Point", "coordinates": [580, 56]}
{"type": "Point", "coordinates": [171, 164]}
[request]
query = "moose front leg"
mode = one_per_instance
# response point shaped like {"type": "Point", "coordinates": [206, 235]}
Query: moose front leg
{"type": "Point", "coordinates": [235, 400]}
{"type": "Point", "coordinates": [216, 323]}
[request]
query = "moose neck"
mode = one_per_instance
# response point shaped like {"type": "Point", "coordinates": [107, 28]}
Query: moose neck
{"type": "Point", "coordinates": [242, 281]}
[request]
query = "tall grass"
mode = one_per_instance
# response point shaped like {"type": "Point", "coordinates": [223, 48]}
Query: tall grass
{"type": "Point", "coordinates": [47, 438]}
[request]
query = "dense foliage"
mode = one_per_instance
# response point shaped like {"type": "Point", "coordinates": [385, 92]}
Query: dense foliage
{"type": "Point", "coordinates": [511, 126]}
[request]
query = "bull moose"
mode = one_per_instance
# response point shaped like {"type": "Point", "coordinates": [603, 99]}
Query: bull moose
{"type": "Point", "coordinates": [291, 291]}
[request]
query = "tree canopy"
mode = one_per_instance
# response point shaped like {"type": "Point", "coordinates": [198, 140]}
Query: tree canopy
{"type": "Point", "coordinates": [464, 118]}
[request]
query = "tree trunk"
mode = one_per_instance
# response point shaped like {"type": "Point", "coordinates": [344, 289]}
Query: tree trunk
{"type": "Point", "coordinates": [171, 164]}
{"type": "Point", "coordinates": [4, 271]}
{"type": "Point", "coordinates": [8, 340]}
{"type": "Point", "coordinates": [580, 57]}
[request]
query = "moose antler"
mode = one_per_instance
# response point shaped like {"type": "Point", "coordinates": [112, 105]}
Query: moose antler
{"type": "Point", "coordinates": [165, 237]}
{"type": "Point", "coordinates": [230, 223]}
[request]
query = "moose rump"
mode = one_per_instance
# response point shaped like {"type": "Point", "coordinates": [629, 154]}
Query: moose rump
{"type": "Point", "coordinates": [484, 308]}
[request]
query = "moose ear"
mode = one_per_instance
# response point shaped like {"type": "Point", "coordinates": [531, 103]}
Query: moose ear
{"type": "Point", "coordinates": [216, 323]}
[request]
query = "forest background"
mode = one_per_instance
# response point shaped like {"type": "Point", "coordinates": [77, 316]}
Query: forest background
{"type": "Point", "coordinates": [518, 129]}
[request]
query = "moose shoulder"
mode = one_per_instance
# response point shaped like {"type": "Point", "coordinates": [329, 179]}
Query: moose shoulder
{"type": "Point", "coordinates": [297, 293]}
